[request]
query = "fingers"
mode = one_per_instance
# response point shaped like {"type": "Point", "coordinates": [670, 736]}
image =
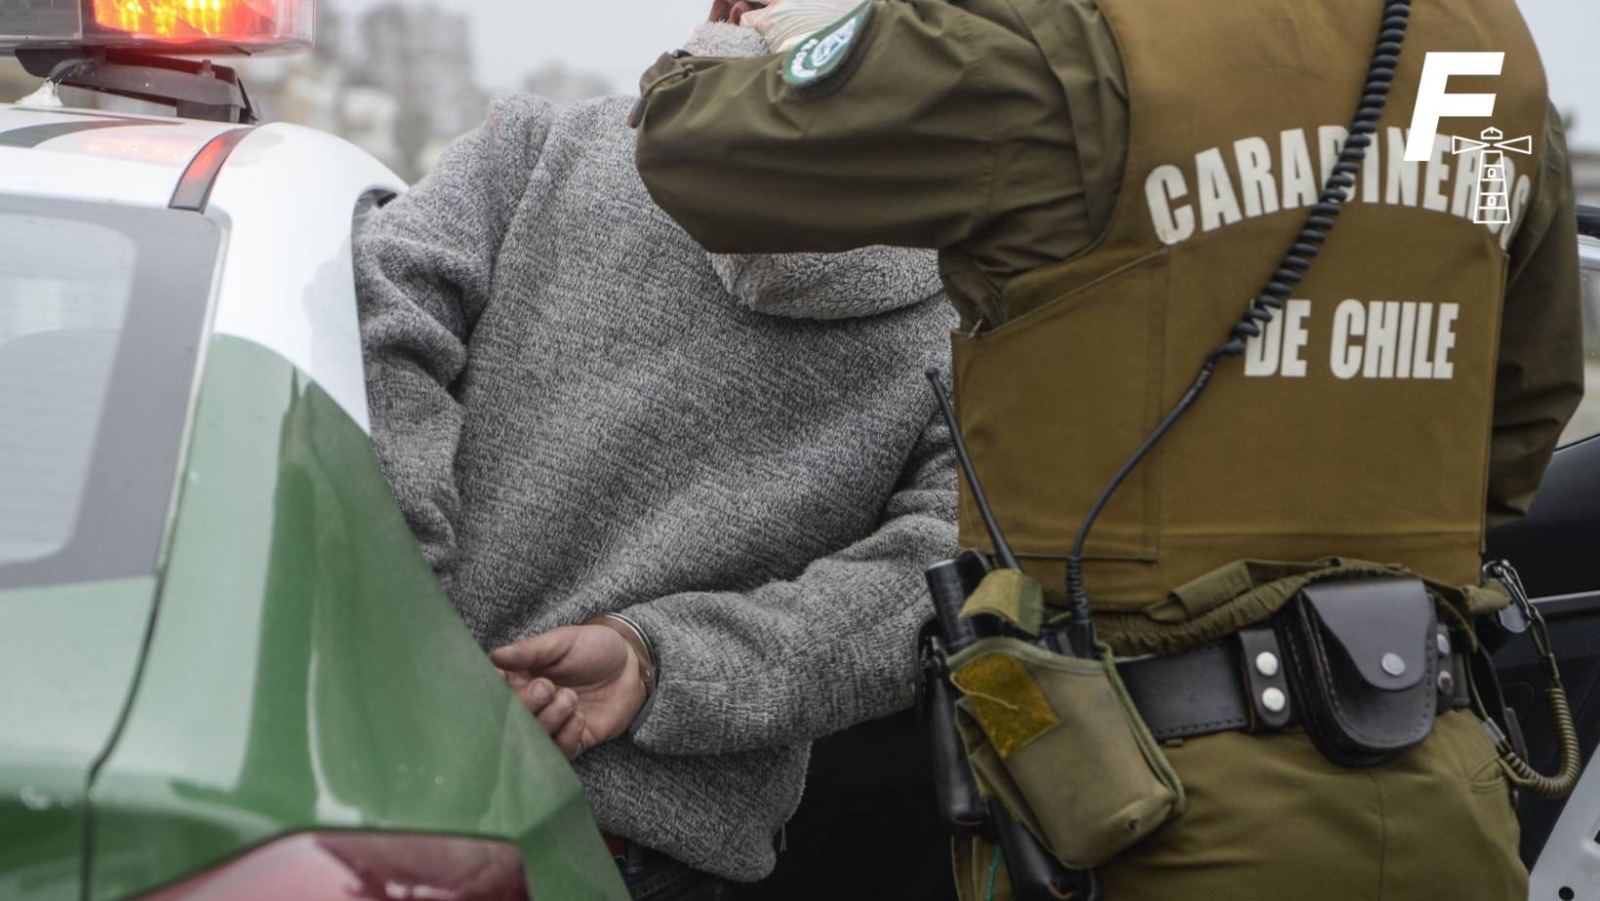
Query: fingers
{"type": "Point", "coordinates": [561, 708]}
{"type": "Point", "coordinates": [556, 709]}
{"type": "Point", "coordinates": [719, 10]}
{"type": "Point", "coordinates": [517, 679]}
{"type": "Point", "coordinates": [570, 738]}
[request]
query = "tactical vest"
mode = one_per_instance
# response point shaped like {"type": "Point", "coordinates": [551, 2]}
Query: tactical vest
{"type": "Point", "coordinates": [1358, 425]}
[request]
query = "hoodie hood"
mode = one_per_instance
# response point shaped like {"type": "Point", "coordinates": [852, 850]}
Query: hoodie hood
{"type": "Point", "coordinates": [850, 285]}
{"type": "Point", "coordinates": [862, 282]}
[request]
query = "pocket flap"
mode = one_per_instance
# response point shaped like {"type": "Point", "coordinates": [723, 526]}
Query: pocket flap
{"type": "Point", "coordinates": [1384, 626]}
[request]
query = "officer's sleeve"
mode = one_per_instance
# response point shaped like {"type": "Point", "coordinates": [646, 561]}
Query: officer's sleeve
{"type": "Point", "coordinates": [791, 661]}
{"type": "Point", "coordinates": [897, 144]}
{"type": "Point", "coordinates": [1539, 381]}
{"type": "Point", "coordinates": [424, 267]}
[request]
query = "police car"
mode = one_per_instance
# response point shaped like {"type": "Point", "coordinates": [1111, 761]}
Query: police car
{"type": "Point", "coordinates": [225, 669]}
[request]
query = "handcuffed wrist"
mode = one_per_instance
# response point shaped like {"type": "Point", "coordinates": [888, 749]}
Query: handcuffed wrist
{"type": "Point", "coordinates": [639, 640]}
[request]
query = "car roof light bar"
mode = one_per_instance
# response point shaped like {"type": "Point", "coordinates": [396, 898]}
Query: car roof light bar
{"type": "Point", "coordinates": [185, 27]}
{"type": "Point", "coordinates": [198, 89]}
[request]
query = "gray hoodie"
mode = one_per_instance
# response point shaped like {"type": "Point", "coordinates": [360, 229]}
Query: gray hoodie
{"type": "Point", "coordinates": [581, 411]}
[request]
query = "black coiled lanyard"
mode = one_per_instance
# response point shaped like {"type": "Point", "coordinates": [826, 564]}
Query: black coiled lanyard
{"type": "Point", "coordinates": [1290, 270]}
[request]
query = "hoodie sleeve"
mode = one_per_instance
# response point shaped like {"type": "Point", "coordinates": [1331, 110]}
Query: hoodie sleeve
{"type": "Point", "coordinates": [792, 661]}
{"type": "Point", "coordinates": [424, 266]}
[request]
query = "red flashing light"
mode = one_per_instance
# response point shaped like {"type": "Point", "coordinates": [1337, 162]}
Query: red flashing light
{"type": "Point", "coordinates": [342, 866]}
{"type": "Point", "coordinates": [245, 25]}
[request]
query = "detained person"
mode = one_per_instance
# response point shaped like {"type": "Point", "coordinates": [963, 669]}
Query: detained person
{"type": "Point", "coordinates": [686, 500]}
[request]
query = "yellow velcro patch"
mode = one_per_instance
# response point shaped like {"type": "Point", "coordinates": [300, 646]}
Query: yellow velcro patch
{"type": "Point", "coordinates": [1010, 594]}
{"type": "Point", "coordinates": [1007, 700]}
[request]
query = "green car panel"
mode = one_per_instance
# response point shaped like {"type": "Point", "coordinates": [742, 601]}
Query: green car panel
{"type": "Point", "coordinates": [305, 670]}
{"type": "Point", "coordinates": [76, 649]}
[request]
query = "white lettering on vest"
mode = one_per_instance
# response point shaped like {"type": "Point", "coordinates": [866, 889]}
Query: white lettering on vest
{"type": "Point", "coordinates": [1330, 140]}
{"type": "Point", "coordinates": [1383, 331]}
{"type": "Point", "coordinates": [1255, 176]}
{"type": "Point", "coordinates": [1466, 189]}
{"type": "Point", "coordinates": [1261, 351]}
{"type": "Point", "coordinates": [1295, 313]}
{"type": "Point", "coordinates": [1164, 185]}
{"type": "Point", "coordinates": [1299, 178]}
{"type": "Point", "coordinates": [1421, 366]}
{"type": "Point", "coordinates": [1245, 181]}
{"type": "Point", "coordinates": [1276, 351]}
{"type": "Point", "coordinates": [1401, 187]}
{"type": "Point", "coordinates": [1388, 339]}
{"type": "Point", "coordinates": [1349, 321]}
{"type": "Point", "coordinates": [1437, 173]}
{"type": "Point", "coordinates": [1218, 205]}
{"type": "Point", "coordinates": [1445, 340]}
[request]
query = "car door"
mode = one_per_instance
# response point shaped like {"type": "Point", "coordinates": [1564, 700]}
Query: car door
{"type": "Point", "coordinates": [1556, 549]}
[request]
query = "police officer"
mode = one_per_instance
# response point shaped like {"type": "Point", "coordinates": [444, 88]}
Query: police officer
{"type": "Point", "coordinates": [1109, 183]}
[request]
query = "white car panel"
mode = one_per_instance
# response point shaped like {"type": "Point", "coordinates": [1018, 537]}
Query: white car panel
{"type": "Point", "coordinates": [287, 195]}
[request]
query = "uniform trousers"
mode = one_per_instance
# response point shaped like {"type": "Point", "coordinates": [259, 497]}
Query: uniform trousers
{"type": "Point", "coordinates": [1270, 819]}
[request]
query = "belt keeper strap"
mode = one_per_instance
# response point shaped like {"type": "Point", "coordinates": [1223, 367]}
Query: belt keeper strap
{"type": "Point", "coordinates": [1265, 678]}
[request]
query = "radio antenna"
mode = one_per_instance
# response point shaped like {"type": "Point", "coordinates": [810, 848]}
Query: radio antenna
{"type": "Point", "coordinates": [1002, 549]}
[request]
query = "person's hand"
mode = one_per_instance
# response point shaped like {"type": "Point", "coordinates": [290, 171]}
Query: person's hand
{"type": "Point", "coordinates": [785, 23]}
{"type": "Point", "coordinates": [582, 683]}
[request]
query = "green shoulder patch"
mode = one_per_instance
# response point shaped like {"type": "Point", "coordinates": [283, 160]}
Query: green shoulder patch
{"type": "Point", "coordinates": [823, 54]}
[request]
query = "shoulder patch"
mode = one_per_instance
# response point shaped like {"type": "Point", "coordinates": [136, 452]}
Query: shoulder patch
{"type": "Point", "coordinates": [822, 54]}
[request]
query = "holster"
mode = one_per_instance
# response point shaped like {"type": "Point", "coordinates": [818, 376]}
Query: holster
{"type": "Point", "coordinates": [1057, 740]}
{"type": "Point", "coordinates": [1366, 663]}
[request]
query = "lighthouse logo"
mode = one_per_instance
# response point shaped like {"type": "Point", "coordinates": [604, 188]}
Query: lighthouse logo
{"type": "Point", "coordinates": [1494, 200]}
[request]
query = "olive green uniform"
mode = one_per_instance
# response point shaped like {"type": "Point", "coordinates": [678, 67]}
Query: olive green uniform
{"type": "Point", "coordinates": [1177, 144]}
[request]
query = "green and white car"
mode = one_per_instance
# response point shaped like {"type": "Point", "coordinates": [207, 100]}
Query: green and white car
{"type": "Point", "coordinates": [226, 671]}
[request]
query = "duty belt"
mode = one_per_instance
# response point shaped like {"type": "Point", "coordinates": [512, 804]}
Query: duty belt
{"type": "Point", "coordinates": [1241, 683]}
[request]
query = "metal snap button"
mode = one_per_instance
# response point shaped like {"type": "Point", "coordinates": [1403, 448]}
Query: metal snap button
{"type": "Point", "coordinates": [1273, 700]}
{"type": "Point", "coordinates": [1447, 682]}
{"type": "Point", "coordinates": [1442, 643]}
{"type": "Point", "coordinates": [1267, 664]}
{"type": "Point", "coordinates": [1393, 664]}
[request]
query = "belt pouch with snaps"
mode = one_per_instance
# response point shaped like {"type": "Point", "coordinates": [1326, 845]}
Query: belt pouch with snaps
{"type": "Point", "coordinates": [1362, 650]}
{"type": "Point", "coordinates": [1057, 739]}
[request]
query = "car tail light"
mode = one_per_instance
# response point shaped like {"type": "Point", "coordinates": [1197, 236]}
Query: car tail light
{"type": "Point", "coordinates": [340, 866]}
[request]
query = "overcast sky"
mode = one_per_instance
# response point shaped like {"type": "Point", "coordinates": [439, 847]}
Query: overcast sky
{"type": "Point", "coordinates": [620, 39]}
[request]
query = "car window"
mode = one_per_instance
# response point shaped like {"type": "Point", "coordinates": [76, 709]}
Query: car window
{"type": "Point", "coordinates": [1586, 421]}
{"type": "Point", "coordinates": [66, 287]}
{"type": "Point", "coordinates": [101, 310]}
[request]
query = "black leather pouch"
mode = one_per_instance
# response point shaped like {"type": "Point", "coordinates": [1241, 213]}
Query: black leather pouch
{"type": "Point", "coordinates": [1365, 666]}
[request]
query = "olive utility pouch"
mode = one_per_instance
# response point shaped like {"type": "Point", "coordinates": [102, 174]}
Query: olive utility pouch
{"type": "Point", "coordinates": [1058, 740]}
{"type": "Point", "coordinates": [1363, 652]}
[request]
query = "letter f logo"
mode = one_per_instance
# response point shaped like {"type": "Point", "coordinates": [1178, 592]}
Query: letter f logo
{"type": "Point", "coordinates": [1435, 103]}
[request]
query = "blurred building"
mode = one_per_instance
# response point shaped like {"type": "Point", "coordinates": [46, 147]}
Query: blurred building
{"type": "Point", "coordinates": [421, 56]}
{"type": "Point", "coordinates": [564, 85]}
